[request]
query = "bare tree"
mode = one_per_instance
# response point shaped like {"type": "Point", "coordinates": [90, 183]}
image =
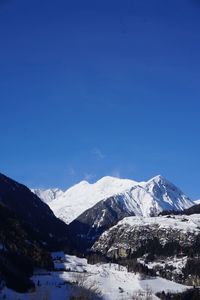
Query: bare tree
{"type": "Point", "coordinates": [146, 294]}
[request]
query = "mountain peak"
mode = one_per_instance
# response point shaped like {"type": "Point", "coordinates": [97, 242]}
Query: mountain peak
{"type": "Point", "coordinates": [141, 198]}
{"type": "Point", "coordinates": [83, 182]}
{"type": "Point", "coordinates": [158, 178]}
{"type": "Point", "coordinates": [108, 178]}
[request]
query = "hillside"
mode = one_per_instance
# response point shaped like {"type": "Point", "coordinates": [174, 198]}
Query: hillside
{"type": "Point", "coordinates": [29, 208]}
{"type": "Point", "coordinates": [20, 251]}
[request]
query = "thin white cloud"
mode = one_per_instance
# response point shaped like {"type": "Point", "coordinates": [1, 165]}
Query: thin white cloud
{"type": "Point", "coordinates": [89, 176]}
{"type": "Point", "coordinates": [98, 153]}
{"type": "Point", "coordinates": [115, 173]}
{"type": "Point", "coordinates": [71, 171]}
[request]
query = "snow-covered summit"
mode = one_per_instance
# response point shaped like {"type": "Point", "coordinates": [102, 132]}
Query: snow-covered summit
{"type": "Point", "coordinates": [140, 198]}
{"type": "Point", "coordinates": [84, 195]}
{"type": "Point", "coordinates": [159, 179]}
{"type": "Point", "coordinates": [197, 201]}
{"type": "Point", "coordinates": [166, 196]}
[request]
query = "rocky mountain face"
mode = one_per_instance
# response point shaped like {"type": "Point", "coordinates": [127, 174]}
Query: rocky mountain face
{"type": "Point", "coordinates": [136, 236]}
{"type": "Point", "coordinates": [195, 209]}
{"type": "Point", "coordinates": [192, 210]}
{"type": "Point", "coordinates": [29, 208]}
{"type": "Point", "coordinates": [90, 224]}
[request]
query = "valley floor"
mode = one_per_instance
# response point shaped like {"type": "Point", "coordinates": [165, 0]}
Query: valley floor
{"type": "Point", "coordinates": [107, 281]}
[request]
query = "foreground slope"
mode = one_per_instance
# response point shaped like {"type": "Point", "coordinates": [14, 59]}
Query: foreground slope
{"type": "Point", "coordinates": [20, 251]}
{"type": "Point", "coordinates": [29, 208]}
{"type": "Point", "coordinates": [75, 276]}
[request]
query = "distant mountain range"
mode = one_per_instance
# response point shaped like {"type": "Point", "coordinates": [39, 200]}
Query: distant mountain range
{"type": "Point", "coordinates": [135, 198]}
{"type": "Point", "coordinates": [110, 212]}
{"type": "Point", "coordinates": [91, 209]}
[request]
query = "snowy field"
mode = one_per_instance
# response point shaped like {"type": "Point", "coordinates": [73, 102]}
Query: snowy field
{"type": "Point", "coordinates": [183, 223]}
{"type": "Point", "coordinates": [111, 281]}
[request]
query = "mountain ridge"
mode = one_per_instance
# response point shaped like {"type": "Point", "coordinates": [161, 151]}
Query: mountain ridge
{"type": "Point", "coordinates": [141, 198]}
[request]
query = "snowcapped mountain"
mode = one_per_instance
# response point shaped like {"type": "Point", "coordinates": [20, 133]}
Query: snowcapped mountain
{"type": "Point", "coordinates": [134, 198]}
{"type": "Point", "coordinates": [158, 194]}
{"type": "Point", "coordinates": [82, 196]}
{"type": "Point", "coordinates": [197, 201]}
{"type": "Point", "coordinates": [145, 199]}
{"type": "Point", "coordinates": [48, 195]}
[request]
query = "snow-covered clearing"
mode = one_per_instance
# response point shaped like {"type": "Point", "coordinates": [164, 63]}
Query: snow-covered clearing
{"type": "Point", "coordinates": [111, 280]}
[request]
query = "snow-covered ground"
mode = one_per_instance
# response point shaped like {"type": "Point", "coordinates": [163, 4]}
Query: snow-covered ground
{"type": "Point", "coordinates": [111, 280]}
{"type": "Point", "coordinates": [184, 223]}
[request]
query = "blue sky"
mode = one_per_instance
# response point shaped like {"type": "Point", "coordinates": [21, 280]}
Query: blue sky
{"type": "Point", "coordinates": [94, 88]}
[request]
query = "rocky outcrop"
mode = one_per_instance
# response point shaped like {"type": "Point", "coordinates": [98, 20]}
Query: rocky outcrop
{"type": "Point", "coordinates": [133, 237]}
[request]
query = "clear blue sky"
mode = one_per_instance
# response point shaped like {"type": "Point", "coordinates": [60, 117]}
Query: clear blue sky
{"type": "Point", "coordinates": [94, 88]}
